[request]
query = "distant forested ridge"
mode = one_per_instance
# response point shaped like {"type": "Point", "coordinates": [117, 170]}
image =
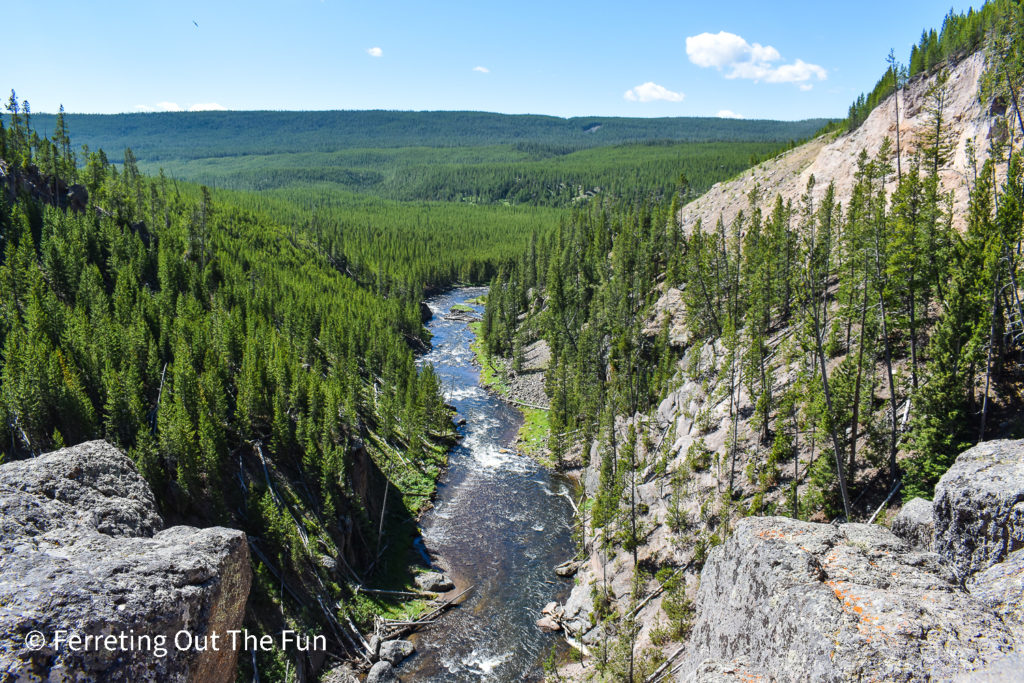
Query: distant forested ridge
{"type": "Point", "coordinates": [193, 135]}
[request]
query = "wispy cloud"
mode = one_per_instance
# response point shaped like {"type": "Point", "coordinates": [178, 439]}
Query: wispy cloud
{"type": "Point", "coordinates": [806, 86]}
{"type": "Point", "coordinates": [652, 92]}
{"type": "Point", "coordinates": [482, 69]}
{"type": "Point", "coordinates": [726, 114]}
{"type": "Point", "coordinates": [732, 54]}
{"type": "Point", "coordinates": [375, 52]}
{"type": "Point", "coordinates": [174, 106]}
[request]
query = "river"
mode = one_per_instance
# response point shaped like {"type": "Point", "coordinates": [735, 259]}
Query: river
{"type": "Point", "coordinates": [500, 523]}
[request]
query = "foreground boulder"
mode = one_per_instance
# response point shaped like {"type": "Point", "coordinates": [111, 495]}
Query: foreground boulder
{"type": "Point", "coordinates": [82, 554]}
{"type": "Point", "coordinates": [979, 507]}
{"type": "Point", "coordinates": [802, 601]}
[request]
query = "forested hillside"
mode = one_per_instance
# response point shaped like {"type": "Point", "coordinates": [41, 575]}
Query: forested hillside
{"type": "Point", "coordinates": [193, 135]}
{"type": "Point", "coordinates": [811, 357]}
{"type": "Point", "coordinates": [253, 382]}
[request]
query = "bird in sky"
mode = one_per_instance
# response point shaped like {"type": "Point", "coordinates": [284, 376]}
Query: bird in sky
{"type": "Point", "coordinates": [196, 23]}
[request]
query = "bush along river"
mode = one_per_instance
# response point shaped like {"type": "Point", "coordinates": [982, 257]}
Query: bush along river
{"type": "Point", "coordinates": [500, 523]}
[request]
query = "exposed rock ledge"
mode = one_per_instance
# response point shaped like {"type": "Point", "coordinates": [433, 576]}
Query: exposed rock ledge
{"type": "Point", "coordinates": [790, 600]}
{"type": "Point", "coordinates": [82, 550]}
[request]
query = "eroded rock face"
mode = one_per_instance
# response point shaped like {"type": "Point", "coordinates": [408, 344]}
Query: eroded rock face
{"type": "Point", "coordinates": [1001, 587]}
{"type": "Point", "coordinates": [803, 601]}
{"type": "Point", "coordinates": [915, 524]}
{"type": "Point", "coordinates": [979, 507]}
{"type": "Point", "coordinates": [81, 551]}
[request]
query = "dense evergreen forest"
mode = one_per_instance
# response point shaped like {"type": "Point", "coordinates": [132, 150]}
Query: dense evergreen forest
{"type": "Point", "coordinates": [195, 135]}
{"type": "Point", "coordinates": [253, 382]}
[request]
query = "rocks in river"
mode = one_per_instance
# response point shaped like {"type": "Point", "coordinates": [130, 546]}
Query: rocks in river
{"type": "Point", "coordinates": [434, 582]}
{"type": "Point", "coordinates": [425, 313]}
{"type": "Point", "coordinates": [915, 524]}
{"type": "Point", "coordinates": [548, 624]}
{"type": "Point", "coordinates": [569, 568]}
{"type": "Point", "coordinates": [979, 506]}
{"type": "Point", "coordinates": [82, 550]}
{"type": "Point", "coordinates": [804, 601]}
{"type": "Point", "coordinates": [394, 651]}
{"type": "Point", "coordinates": [382, 672]}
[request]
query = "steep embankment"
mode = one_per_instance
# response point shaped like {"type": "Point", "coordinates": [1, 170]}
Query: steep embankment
{"type": "Point", "coordinates": [707, 462]}
{"type": "Point", "coordinates": [830, 159]}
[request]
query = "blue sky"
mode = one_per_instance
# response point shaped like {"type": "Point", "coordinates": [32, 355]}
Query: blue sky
{"type": "Point", "coordinates": [754, 59]}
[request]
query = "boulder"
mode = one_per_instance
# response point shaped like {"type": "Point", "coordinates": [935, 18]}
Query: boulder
{"type": "Point", "coordinates": [81, 551]}
{"type": "Point", "coordinates": [425, 313]}
{"type": "Point", "coordinates": [548, 624]}
{"type": "Point", "coordinates": [802, 601]}
{"type": "Point", "coordinates": [395, 651]}
{"type": "Point", "coordinates": [915, 524]}
{"type": "Point", "coordinates": [433, 582]}
{"type": "Point", "coordinates": [979, 507]}
{"type": "Point", "coordinates": [382, 672]}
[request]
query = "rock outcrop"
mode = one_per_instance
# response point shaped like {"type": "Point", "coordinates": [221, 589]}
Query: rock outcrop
{"type": "Point", "coordinates": [979, 507]}
{"type": "Point", "coordinates": [83, 552]}
{"type": "Point", "coordinates": [803, 601]}
{"type": "Point", "coordinates": [915, 524]}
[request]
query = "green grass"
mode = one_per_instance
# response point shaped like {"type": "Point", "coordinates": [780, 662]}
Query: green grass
{"type": "Point", "coordinates": [463, 308]}
{"type": "Point", "coordinates": [533, 435]}
{"type": "Point", "coordinates": [532, 438]}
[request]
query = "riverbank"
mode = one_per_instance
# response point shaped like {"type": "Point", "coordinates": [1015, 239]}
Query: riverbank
{"type": "Point", "coordinates": [524, 389]}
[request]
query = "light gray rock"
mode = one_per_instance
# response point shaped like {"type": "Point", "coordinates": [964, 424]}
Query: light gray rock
{"type": "Point", "coordinates": [374, 643]}
{"type": "Point", "coordinates": [979, 506]}
{"type": "Point", "coordinates": [714, 671]}
{"type": "Point", "coordinates": [915, 524]}
{"type": "Point", "coordinates": [803, 601]}
{"type": "Point", "coordinates": [395, 651]}
{"type": "Point", "coordinates": [91, 484]}
{"type": "Point", "coordinates": [1001, 587]}
{"type": "Point", "coordinates": [382, 672]}
{"type": "Point", "coordinates": [434, 582]}
{"type": "Point", "coordinates": [80, 551]}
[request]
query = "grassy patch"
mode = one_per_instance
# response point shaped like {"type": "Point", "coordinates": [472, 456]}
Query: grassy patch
{"type": "Point", "coordinates": [492, 370]}
{"type": "Point", "coordinates": [462, 308]}
{"type": "Point", "coordinates": [532, 439]}
{"type": "Point", "coordinates": [533, 435]}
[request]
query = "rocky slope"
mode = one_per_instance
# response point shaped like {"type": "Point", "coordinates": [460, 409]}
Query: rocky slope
{"type": "Point", "coordinates": [688, 464]}
{"type": "Point", "coordinates": [833, 159]}
{"type": "Point", "coordinates": [83, 550]}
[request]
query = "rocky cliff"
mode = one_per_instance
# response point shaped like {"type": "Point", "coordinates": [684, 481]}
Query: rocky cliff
{"type": "Point", "coordinates": [701, 442]}
{"type": "Point", "coordinates": [83, 553]}
{"type": "Point", "coordinates": [790, 600]}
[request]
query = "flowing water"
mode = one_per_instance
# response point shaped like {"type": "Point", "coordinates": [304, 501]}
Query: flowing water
{"type": "Point", "coordinates": [500, 523]}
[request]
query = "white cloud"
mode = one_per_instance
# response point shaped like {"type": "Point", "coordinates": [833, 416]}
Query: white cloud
{"type": "Point", "coordinates": [482, 69]}
{"type": "Point", "coordinates": [740, 59]}
{"type": "Point", "coordinates": [726, 114]}
{"type": "Point", "coordinates": [806, 86]}
{"type": "Point", "coordinates": [651, 92]}
{"type": "Point", "coordinates": [375, 52]}
{"type": "Point", "coordinates": [174, 106]}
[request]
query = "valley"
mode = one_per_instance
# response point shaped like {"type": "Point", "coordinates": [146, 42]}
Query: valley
{"type": "Point", "coordinates": [458, 395]}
